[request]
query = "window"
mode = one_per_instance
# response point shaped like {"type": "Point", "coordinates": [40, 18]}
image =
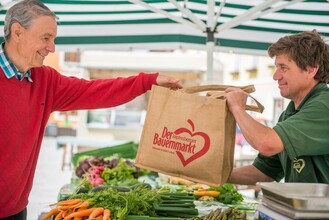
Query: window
{"type": "Point", "coordinates": [272, 69]}
{"type": "Point", "coordinates": [277, 109]}
{"type": "Point", "coordinates": [253, 73]}
{"type": "Point", "coordinates": [72, 57]}
{"type": "Point", "coordinates": [99, 118]}
{"type": "Point", "coordinates": [112, 118]}
{"type": "Point", "coordinates": [235, 75]}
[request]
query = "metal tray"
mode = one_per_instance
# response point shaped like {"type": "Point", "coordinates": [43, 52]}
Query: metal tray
{"type": "Point", "coordinates": [293, 213]}
{"type": "Point", "coordinates": [299, 196]}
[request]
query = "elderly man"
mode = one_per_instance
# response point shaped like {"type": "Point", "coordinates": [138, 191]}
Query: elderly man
{"type": "Point", "coordinates": [30, 92]}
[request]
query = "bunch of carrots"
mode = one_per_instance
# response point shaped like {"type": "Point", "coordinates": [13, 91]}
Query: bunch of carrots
{"type": "Point", "coordinates": [76, 209]}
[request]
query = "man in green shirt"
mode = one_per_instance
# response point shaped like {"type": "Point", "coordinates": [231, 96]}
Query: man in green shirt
{"type": "Point", "coordinates": [297, 147]}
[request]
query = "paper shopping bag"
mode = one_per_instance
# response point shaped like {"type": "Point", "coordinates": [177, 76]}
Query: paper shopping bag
{"type": "Point", "coordinates": [188, 135]}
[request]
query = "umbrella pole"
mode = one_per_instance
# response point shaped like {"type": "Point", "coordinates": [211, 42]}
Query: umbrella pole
{"type": "Point", "coordinates": [210, 55]}
{"type": "Point", "coordinates": [210, 39]}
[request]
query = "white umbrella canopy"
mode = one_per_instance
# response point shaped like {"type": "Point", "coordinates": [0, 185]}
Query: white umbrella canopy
{"type": "Point", "coordinates": [213, 25]}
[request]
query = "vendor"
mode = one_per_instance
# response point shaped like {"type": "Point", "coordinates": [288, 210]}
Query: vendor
{"type": "Point", "coordinates": [296, 149]}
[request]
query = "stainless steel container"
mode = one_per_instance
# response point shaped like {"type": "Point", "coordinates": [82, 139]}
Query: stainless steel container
{"type": "Point", "coordinates": [297, 200]}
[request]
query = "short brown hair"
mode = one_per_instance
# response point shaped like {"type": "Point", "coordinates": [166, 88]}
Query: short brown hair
{"type": "Point", "coordinates": [307, 49]}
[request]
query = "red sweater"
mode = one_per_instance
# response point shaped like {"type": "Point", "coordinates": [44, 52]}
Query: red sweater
{"type": "Point", "coordinates": [24, 111]}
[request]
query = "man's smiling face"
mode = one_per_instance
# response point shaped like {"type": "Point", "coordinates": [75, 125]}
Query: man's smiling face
{"type": "Point", "coordinates": [294, 83]}
{"type": "Point", "coordinates": [36, 42]}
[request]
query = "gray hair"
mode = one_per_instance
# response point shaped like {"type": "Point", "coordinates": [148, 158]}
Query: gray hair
{"type": "Point", "coordinates": [24, 13]}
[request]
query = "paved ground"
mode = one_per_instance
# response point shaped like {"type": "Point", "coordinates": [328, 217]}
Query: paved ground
{"type": "Point", "coordinates": [49, 178]}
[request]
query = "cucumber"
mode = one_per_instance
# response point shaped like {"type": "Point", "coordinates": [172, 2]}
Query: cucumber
{"type": "Point", "coordinates": [178, 201]}
{"type": "Point", "coordinates": [64, 198]}
{"type": "Point", "coordinates": [188, 205]}
{"type": "Point", "coordinates": [176, 214]}
{"type": "Point", "coordinates": [121, 188]}
{"type": "Point", "coordinates": [118, 188]}
{"type": "Point", "coordinates": [185, 210]}
{"type": "Point", "coordinates": [141, 184]}
{"type": "Point", "coordinates": [82, 190]}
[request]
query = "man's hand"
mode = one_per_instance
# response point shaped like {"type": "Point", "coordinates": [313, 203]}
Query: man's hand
{"type": "Point", "coordinates": [236, 99]}
{"type": "Point", "coordinates": [168, 82]}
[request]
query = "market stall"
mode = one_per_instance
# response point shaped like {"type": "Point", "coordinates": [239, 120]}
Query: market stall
{"type": "Point", "coordinates": [106, 178]}
{"type": "Point", "coordinates": [109, 186]}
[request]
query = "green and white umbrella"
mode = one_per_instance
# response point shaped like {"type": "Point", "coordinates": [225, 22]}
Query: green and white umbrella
{"type": "Point", "coordinates": [214, 25]}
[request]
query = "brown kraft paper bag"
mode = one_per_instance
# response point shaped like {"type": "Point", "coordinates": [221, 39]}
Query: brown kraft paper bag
{"type": "Point", "coordinates": [188, 135]}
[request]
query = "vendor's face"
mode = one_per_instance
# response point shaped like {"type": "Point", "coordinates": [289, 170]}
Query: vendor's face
{"type": "Point", "coordinates": [36, 42]}
{"type": "Point", "coordinates": [294, 83]}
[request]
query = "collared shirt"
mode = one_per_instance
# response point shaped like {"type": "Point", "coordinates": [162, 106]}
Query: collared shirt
{"type": "Point", "coordinates": [10, 69]}
{"type": "Point", "coordinates": [304, 134]}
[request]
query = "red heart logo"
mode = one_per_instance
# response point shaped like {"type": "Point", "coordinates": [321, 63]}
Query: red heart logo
{"type": "Point", "coordinates": [198, 154]}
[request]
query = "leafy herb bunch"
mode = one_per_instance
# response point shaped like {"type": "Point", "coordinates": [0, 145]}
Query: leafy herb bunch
{"type": "Point", "coordinates": [138, 201]}
{"type": "Point", "coordinates": [228, 194]}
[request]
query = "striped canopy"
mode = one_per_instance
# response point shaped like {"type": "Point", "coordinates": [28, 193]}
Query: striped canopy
{"type": "Point", "coordinates": [240, 26]}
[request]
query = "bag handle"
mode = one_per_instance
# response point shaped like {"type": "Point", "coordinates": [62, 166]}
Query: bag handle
{"type": "Point", "coordinates": [195, 89]}
{"type": "Point", "coordinates": [221, 95]}
{"type": "Point", "coordinates": [249, 89]}
{"type": "Point", "coordinates": [258, 108]}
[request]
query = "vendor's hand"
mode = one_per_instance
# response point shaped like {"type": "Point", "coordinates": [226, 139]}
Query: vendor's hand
{"type": "Point", "coordinates": [236, 99]}
{"type": "Point", "coordinates": [168, 82]}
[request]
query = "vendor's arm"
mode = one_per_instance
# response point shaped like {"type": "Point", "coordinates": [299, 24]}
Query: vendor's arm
{"type": "Point", "coordinates": [248, 175]}
{"type": "Point", "coordinates": [260, 137]}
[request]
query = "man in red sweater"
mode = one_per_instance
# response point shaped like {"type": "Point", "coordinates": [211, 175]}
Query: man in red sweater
{"type": "Point", "coordinates": [30, 92]}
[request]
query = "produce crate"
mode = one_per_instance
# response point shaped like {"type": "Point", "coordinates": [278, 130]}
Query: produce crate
{"type": "Point", "coordinates": [126, 150]}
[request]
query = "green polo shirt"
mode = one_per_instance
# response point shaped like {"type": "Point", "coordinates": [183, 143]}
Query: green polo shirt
{"type": "Point", "coordinates": [305, 135]}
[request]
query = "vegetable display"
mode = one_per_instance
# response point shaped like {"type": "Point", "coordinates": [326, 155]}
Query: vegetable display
{"type": "Point", "coordinates": [115, 202]}
{"type": "Point", "coordinates": [109, 188]}
{"type": "Point", "coordinates": [112, 171]}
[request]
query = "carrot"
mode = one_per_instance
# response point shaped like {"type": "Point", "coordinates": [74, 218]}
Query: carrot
{"type": "Point", "coordinates": [79, 213]}
{"type": "Point", "coordinates": [96, 212]}
{"type": "Point", "coordinates": [68, 212]}
{"type": "Point", "coordinates": [68, 202]}
{"type": "Point", "coordinates": [59, 216]}
{"type": "Point", "coordinates": [51, 213]}
{"type": "Point", "coordinates": [106, 214]}
{"type": "Point", "coordinates": [65, 213]}
{"type": "Point", "coordinates": [84, 204]}
{"type": "Point", "coordinates": [211, 193]}
{"type": "Point", "coordinates": [64, 207]}
{"type": "Point", "coordinates": [100, 217]}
